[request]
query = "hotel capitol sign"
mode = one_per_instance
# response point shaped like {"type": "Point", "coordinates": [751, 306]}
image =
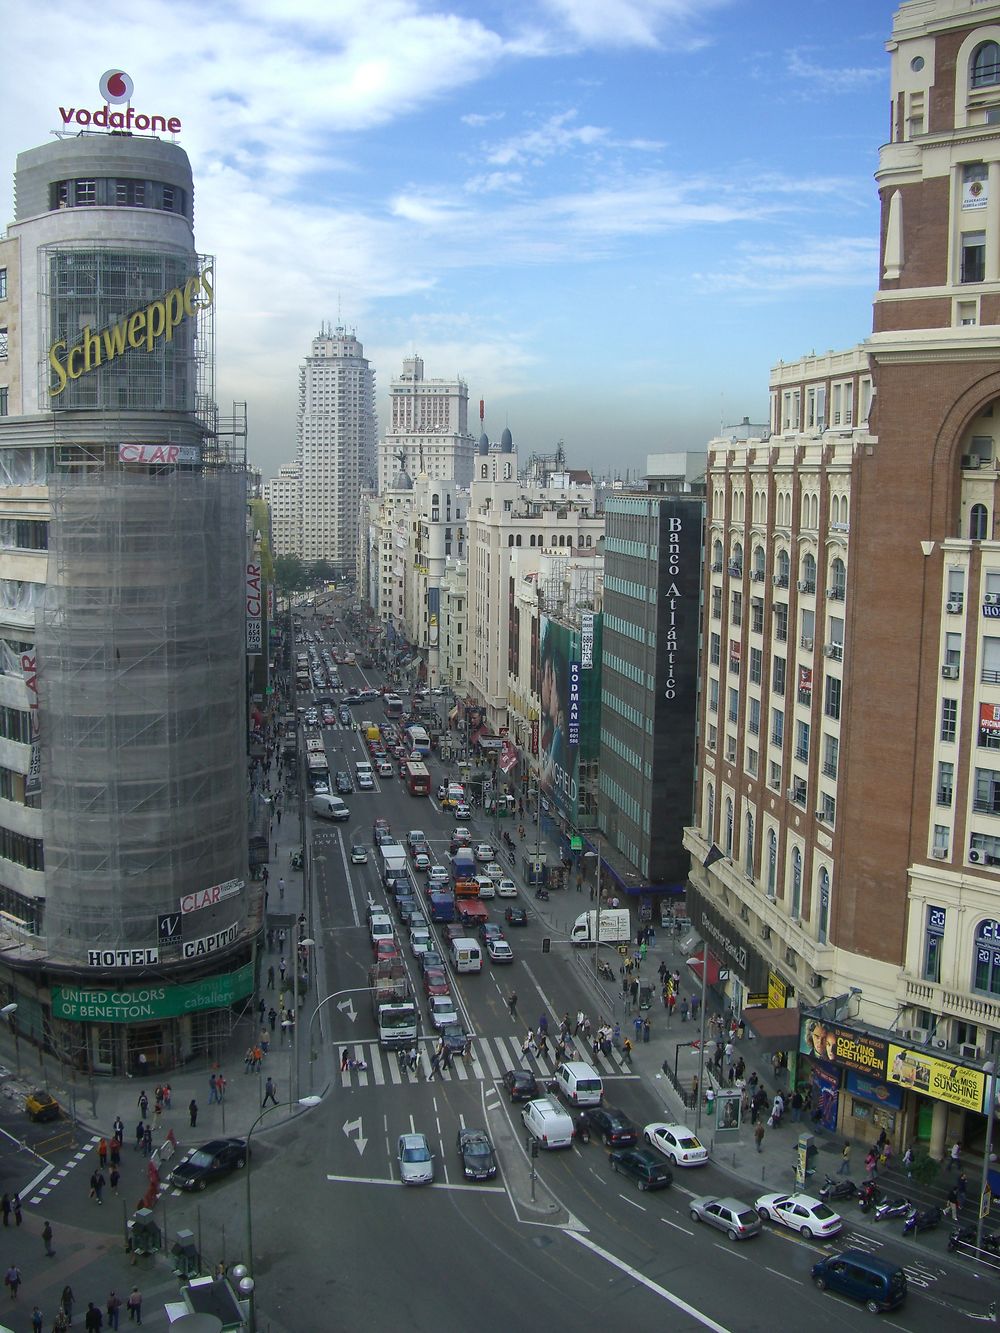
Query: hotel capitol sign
{"type": "Point", "coordinates": [729, 945]}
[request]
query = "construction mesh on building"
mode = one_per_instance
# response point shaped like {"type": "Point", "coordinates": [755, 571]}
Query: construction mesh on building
{"type": "Point", "coordinates": [142, 704]}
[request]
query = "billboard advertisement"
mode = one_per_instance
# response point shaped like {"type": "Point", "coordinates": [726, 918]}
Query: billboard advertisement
{"type": "Point", "coordinates": [570, 694]}
{"type": "Point", "coordinates": [940, 1079]}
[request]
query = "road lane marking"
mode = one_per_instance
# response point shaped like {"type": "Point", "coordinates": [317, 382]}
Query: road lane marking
{"type": "Point", "coordinates": [633, 1203]}
{"type": "Point", "coordinates": [788, 1278]}
{"type": "Point", "coordinates": [437, 1184]}
{"type": "Point", "coordinates": [676, 1226]}
{"type": "Point", "coordinates": [705, 1320]}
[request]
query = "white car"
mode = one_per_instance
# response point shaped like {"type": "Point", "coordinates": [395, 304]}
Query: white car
{"type": "Point", "coordinates": [415, 835]}
{"type": "Point", "coordinates": [420, 941]}
{"type": "Point", "coordinates": [499, 950]}
{"type": "Point", "coordinates": [484, 852]}
{"type": "Point", "coordinates": [421, 861]}
{"type": "Point", "coordinates": [494, 869]}
{"type": "Point", "coordinates": [416, 1161]}
{"type": "Point", "coordinates": [437, 875]}
{"type": "Point", "coordinates": [441, 1009]}
{"type": "Point", "coordinates": [462, 811]}
{"type": "Point", "coordinates": [680, 1145]}
{"type": "Point", "coordinates": [487, 889]}
{"type": "Point", "coordinates": [506, 888]}
{"type": "Point", "coordinates": [799, 1212]}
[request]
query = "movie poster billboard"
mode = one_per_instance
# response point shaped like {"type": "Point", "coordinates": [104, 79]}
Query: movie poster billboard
{"type": "Point", "coordinates": [569, 729]}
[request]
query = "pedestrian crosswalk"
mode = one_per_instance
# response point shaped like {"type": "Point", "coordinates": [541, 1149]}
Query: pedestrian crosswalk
{"type": "Point", "coordinates": [488, 1058]}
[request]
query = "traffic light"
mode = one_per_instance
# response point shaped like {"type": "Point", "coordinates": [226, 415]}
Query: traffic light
{"type": "Point", "coordinates": [546, 945]}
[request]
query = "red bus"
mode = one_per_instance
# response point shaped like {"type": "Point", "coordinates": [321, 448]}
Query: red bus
{"type": "Point", "coordinates": [418, 778]}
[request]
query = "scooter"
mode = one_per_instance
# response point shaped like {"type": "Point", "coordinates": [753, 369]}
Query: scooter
{"type": "Point", "coordinates": [868, 1196]}
{"type": "Point", "coordinates": [542, 895]}
{"type": "Point", "coordinates": [921, 1220]}
{"type": "Point", "coordinates": [838, 1189]}
{"type": "Point", "coordinates": [897, 1207]}
{"type": "Point", "coordinates": [582, 1130]}
{"type": "Point", "coordinates": [605, 971]}
{"type": "Point", "coordinates": [966, 1237]}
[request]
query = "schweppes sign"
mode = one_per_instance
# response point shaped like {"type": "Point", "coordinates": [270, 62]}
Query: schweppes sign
{"type": "Point", "coordinates": [143, 329]}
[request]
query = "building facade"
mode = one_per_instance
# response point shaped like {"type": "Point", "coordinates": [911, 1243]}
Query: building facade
{"type": "Point", "coordinates": [850, 776]}
{"type": "Point", "coordinates": [283, 495]}
{"type": "Point", "coordinates": [128, 919]}
{"type": "Point", "coordinates": [428, 428]}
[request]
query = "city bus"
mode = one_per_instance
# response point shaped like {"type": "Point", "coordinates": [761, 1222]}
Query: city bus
{"type": "Point", "coordinates": [417, 777]}
{"type": "Point", "coordinates": [393, 705]}
{"type": "Point", "coordinates": [420, 742]}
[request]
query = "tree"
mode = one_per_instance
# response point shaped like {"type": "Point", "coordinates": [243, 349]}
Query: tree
{"type": "Point", "coordinates": [290, 574]}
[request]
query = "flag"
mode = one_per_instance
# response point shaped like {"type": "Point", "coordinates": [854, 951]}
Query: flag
{"type": "Point", "coordinates": [714, 854]}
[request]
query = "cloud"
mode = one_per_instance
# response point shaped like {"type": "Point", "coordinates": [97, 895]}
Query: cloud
{"type": "Point", "coordinates": [825, 79]}
{"type": "Point", "coordinates": [806, 262]}
{"type": "Point", "coordinates": [630, 23]}
{"type": "Point", "coordinates": [493, 182]}
{"type": "Point", "coordinates": [477, 118]}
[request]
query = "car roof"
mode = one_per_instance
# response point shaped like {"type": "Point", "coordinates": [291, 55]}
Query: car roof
{"type": "Point", "coordinates": [413, 1140]}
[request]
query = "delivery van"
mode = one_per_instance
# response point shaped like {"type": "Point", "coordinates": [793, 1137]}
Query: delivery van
{"type": "Point", "coordinates": [466, 955]}
{"type": "Point", "coordinates": [330, 807]}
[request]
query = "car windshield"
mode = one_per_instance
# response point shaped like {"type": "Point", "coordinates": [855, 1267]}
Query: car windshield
{"type": "Point", "coordinates": [416, 1155]}
{"type": "Point", "coordinates": [477, 1148]}
{"type": "Point", "coordinates": [821, 1211]}
{"type": "Point", "coordinates": [397, 1018]}
{"type": "Point", "coordinates": [688, 1141]}
{"type": "Point", "coordinates": [747, 1219]}
{"type": "Point", "coordinates": [200, 1159]}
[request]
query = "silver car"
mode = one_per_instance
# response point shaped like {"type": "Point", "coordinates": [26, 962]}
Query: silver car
{"type": "Point", "coordinates": [738, 1220]}
{"type": "Point", "coordinates": [416, 1161]}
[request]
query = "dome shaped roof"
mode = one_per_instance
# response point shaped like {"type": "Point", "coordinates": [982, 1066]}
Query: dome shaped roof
{"type": "Point", "coordinates": [484, 443]}
{"type": "Point", "coordinates": [506, 442]}
{"type": "Point", "coordinates": [401, 481]}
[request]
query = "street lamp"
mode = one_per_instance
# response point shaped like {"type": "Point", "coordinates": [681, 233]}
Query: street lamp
{"type": "Point", "coordinates": [300, 944]}
{"type": "Point", "coordinates": [353, 990]}
{"type": "Point", "coordinates": [590, 856]}
{"type": "Point", "coordinates": [10, 1010]}
{"type": "Point", "coordinates": [990, 1069]}
{"type": "Point", "coordinates": [244, 1279]}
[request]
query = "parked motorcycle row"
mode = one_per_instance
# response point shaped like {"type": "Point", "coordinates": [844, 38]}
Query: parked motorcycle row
{"type": "Point", "coordinates": [883, 1206]}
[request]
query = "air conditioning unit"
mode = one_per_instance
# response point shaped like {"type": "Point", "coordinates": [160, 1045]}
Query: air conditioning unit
{"type": "Point", "coordinates": [790, 958]}
{"type": "Point", "coordinates": [953, 608]}
{"type": "Point", "coordinates": [939, 1043]}
{"type": "Point", "coordinates": [992, 860]}
{"type": "Point", "coordinates": [949, 672]}
{"type": "Point", "coordinates": [815, 980]}
{"type": "Point", "coordinates": [802, 585]}
{"type": "Point", "coordinates": [765, 932]}
{"type": "Point", "coordinates": [975, 855]}
{"type": "Point", "coordinates": [779, 580]}
{"type": "Point", "coordinates": [833, 650]}
{"type": "Point", "coordinates": [991, 599]}
{"type": "Point", "coordinates": [939, 853]}
{"type": "Point", "coordinates": [758, 576]}
{"type": "Point", "coordinates": [917, 1035]}
{"type": "Point", "coordinates": [807, 644]}
{"type": "Point", "coordinates": [821, 815]}
{"type": "Point", "coordinates": [968, 1051]}
{"type": "Point", "coordinates": [745, 913]}
{"type": "Point", "coordinates": [731, 753]}
{"type": "Point", "coordinates": [971, 461]}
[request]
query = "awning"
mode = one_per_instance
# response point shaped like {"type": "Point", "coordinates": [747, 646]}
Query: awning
{"type": "Point", "coordinates": [775, 1029]}
{"type": "Point", "coordinates": [695, 964]}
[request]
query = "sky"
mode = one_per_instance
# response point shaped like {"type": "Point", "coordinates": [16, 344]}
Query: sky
{"type": "Point", "coordinates": [610, 217]}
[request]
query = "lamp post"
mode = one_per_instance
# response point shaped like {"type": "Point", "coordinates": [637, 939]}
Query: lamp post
{"type": "Point", "coordinates": [10, 1010]}
{"type": "Point", "coordinates": [244, 1278]}
{"type": "Point", "coordinates": [587, 856]}
{"type": "Point", "coordinates": [353, 990]}
{"type": "Point", "coordinates": [300, 944]}
{"type": "Point", "coordinates": [990, 1069]}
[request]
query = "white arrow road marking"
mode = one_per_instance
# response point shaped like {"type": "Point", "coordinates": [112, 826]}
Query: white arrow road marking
{"type": "Point", "coordinates": [347, 1007]}
{"type": "Point", "coordinates": [361, 1143]}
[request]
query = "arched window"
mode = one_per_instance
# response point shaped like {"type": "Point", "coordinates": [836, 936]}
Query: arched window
{"type": "Point", "coordinates": [510, 540]}
{"type": "Point", "coordinates": [772, 863]}
{"type": "Point", "coordinates": [977, 523]}
{"type": "Point", "coordinates": [783, 565]}
{"type": "Point", "coordinates": [796, 884]}
{"type": "Point", "coordinates": [809, 572]}
{"type": "Point", "coordinates": [729, 826]}
{"type": "Point", "coordinates": [736, 564]}
{"type": "Point", "coordinates": [435, 500]}
{"type": "Point", "coordinates": [517, 540]}
{"type": "Point", "coordinates": [748, 846]}
{"type": "Point", "coordinates": [987, 958]}
{"type": "Point", "coordinates": [484, 472]}
{"type": "Point", "coordinates": [710, 812]}
{"type": "Point", "coordinates": [717, 555]}
{"type": "Point", "coordinates": [986, 65]}
{"type": "Point", "coordinates": [824, 905]}
{"type": "Point", "coordinates": [838, 580]}
{"type": "Point", "coordinates": [758, 563]}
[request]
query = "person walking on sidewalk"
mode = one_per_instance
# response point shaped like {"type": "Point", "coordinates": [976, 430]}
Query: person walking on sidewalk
{"type": "Point", "coordinates": [955, 1156]}
{"type": "Point", "coordinates": [12, 1280]}
{"type": "Point", "coordinates": [845, 1159]}
{"type": "Point", "coordinates": [758, 1135]}
{"type": "Point", "coordinates": [47, 1238]}
{"type": "Point", "coordinates": [512, 1003]}
{"type": "Point", "coordinates": [193, 1113]}
{"type": "Point", "coordinates": [134, 1304]}
{"type": "Point", "coordinates": [270, 1093]}
{"type": "Point", "coordinates": [114, 1305]}
{"type": "Point", "coordinates": [93, 1320]}
{"type": "Point", "coordinates": [143, 1104]}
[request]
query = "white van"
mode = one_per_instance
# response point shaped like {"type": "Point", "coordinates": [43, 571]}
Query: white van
{"type": "Point", "coordinates": [466, 956]}
{"type": "Point", "coordinates": [363, 775]}
{"type": "Point", "coordinates": [330, 807]}
{"type": "Point", "coordinates": [546, 1121]}
{"type": "Point", "coordinates": [380, 927]}
{"type": "Point", "coordinates": [580, 1083]}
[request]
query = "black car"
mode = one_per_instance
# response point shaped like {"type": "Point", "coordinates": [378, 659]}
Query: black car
{"type": "Point", "coordinates": [516, 916]}
{"type": "Point", "coordinates": [430, 958]}
{"type": "Point", "coordinates": [521, 1085]}
{"type": "Point", "coordinates": [209, 1162]}
{"type": "Point", "coordinates": [344, 784]}
{"type": "Point", "coordinates": [647, 1170]}
{"type": "Point", "coordinates": [453, 1037]}
{"type": "Point", "coordinates": [406, 905]}
{"type": "Point", "coordinates": [476, 1152]}
{"type": "Point", "coordinates": [615, 1129]}
{"type": "Point", "coordinates": [346, 716]}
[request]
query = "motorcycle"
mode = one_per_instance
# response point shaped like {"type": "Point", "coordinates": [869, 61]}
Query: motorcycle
{"type": "Point", "coordinates": [897, 1207]}
{"type": "Point", "coordinates": [542, 895]}
{"type": "Point", "coordinates": [918, 1220]}
{"type": "Point", "coordinates": [868, 1196]}
{"type": "Point", "coordinates": [583, 1129]}
{"type": "Point", "coordinates": [605, 971]}
{"type": "Point", "coordinates": [966, 1236]}
{"type": "Point", "coordinates": [837, 1189]}
{"type": "Point", "coordinates": [296, 860]}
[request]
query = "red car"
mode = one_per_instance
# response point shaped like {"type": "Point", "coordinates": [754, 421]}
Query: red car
{"type": "Point", "coordinates": [436, 981]}
{"type": "Point", "coordinates": [385, 950]}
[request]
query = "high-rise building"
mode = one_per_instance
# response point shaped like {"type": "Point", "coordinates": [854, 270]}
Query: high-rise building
{"type": "Point", "coordinates": [852, 676]}
{"type": "Point", "coordinates": [127, 919]}
{"type": "Point", "coordinates": [283, 496]}
{"type": "Point", "coordinates": [428, 428]}
{"type": "Point", "coordinates": [336, 435]}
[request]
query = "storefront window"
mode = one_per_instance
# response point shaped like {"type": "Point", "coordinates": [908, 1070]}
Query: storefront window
{"type": "Point", "coordinates": [987, 974]}
{"type": "Point", "coordinates": [933, 942]}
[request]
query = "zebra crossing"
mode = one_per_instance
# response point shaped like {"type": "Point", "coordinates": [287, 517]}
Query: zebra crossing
{"type": "Point", "coordinates": [488, 1060]}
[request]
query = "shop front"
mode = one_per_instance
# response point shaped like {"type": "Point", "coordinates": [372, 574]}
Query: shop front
{"type": "Point", "coordinates": [736, 970]}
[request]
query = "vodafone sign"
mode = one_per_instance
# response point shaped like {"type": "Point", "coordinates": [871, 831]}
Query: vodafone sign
{"type": "Point", "coordinates": [116, 89]}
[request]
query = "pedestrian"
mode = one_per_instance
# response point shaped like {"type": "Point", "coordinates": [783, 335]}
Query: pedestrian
{"type": "Point", "coordinates": [951, 1206]}
{"type": "Point", "coordinates": [143, 1105]}
{"type": "Point", "coordinates": [220, 1087]}
{"type": "Point", "coordinates": [114, 1305]}
{"type": "Point", "coordinates": [37, 1320]}
{"type": "Point", "coordinates": [12, 1280]}
{"type": "Point", "coordinates": [684, 1007]}
{"type": "Point", "coordinates": [646, 1028]}
{"type": "Point", "coordinates": [213, 1094]}
{"type": "Point", "coordinates": [796, 1106]}
{"type": "Point", "coordinates": [695, 1002]}
{"type": "Point", "coordinates": [871, 1164]}
{"type": "Point", "coordinates": [435, 1064]}
{"type": "Point", "coordinates": [955, 1156]}
{"type": "Point", "coordinates": [281, 887]}
{"type": "Point", "coordinates": [119, 1128]}
{"type": "Point", "coordinates": [193, 1112]}
{"type": "Point", "coordinates": [93, 1320]}
{"type": "Point", "coordinates": [908, 1162]}
{"type": "Point", "coordinates": [694, 1091]}
{"type": "Point", "coordinates": [98, 1182]}
{"type": "Point", "coordinates": [66, 1303]}
{"type": "Point", "coordinates": [134, 1304]}
{"type": "Point", "coordinates": [758, 1135]}
{"type": "Point", "coordinates": [270, 1093]}
{"type": "Point", "coordinates": [114, 1178]}
{"type": "Point", "coordinates": [272, 1016]}
{"type": "Point", "coordinates": [845, 1159]}
{"type": "Point", "coordinates": [47, 1238]}
{"type": "Point", "coordinates": [345, 1058]}
{"type": "Point", "coordinates": [512, 1003]}
{"type": "Point", "coordinates": [282, 969]}
{"type": "Point", "coordinates": [147, 1141]}
{"type": "Point", "coordinates": [5, 1206]}
{"type": "Point", "coordinates": [962, 1188]}
{"type": "Point", "coordinates": [166, 1096]}
{"type": "Point", "coordinates": [270, 977]}
{"type": "Point", "coordinates": [637, 1024]}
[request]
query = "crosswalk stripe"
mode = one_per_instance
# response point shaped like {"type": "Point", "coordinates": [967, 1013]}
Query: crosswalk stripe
{"type": "Point", "coordinates": [482, 1047]}
{"type": "Point", "coordinates": [375, 1064]}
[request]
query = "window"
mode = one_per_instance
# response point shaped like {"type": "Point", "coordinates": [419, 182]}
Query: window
{"type": "Point", "coordinates": [933, 943]}
{"type": "Point", "coordinates": [716, 603]}
{"type": "Point", "coordinates": [737, 612]}
{"type": "Point", "coordinates": [945, 783]}
{"type": "Point", "coordinates": [85, 193]}
{"type": "Point", "coordinates": [772, 863]}
{"type": "Point", "coordinates": [756, 666]}
{"type": "Point", "coordinates": [973, 265]}
{"type": "Point", "coordinates": [757, 615]}
{"type": "Point", "coordinates": [710, 810]}
{"type": "Point", "coordinates": [986, 65]}
{"type": "Point", "coordinates": [777, 726]}
{"type": "Point", "coordinates": [953, 650]}
{"type": "Point", "coordinates": [713, 695]}
{"type": "Point", "coordinates": [3, 343]}
{"type": "Point", "coordinates": [715, 649]}
{"type": "Point", "coordinates": [831, 756]}
{"type": "Point", "coordinates": [781, 621]}
{"type": "Point", "coordinates": [130, 193]}
{"type": "Point", "coordinates": [827, 811]}
{"type": "Point", "coordinates": [753, 760]}
{"type": "Point", "coordinates": [808, 573]}
{"type": "Point", "coordinates": [3, 402]}
{"type": "Point", "coordinates": [802, 741]}
{"type": "Point", "coordinates": [796, 884]}
{"type": "Point", "coordinates": [987, 797]}
{"type": "Point", "coordinates": [823, 926]}
{"type": "Point", "coordinates": [168, 198]}
{"type": "Point", "coordinates": [783, 567]}
{"type": "Point", "coordinates": [987, 963]}
{"type": "Point", "coordinates": [753, 717]}
{"type": "Point", "coordinates": [978, 515]}
{"type": "Point", "coordinates": [734, 705]}
{"type": "Point", "coordinates": [729, 826]}
{"type": "Point", "coordinates": [748, 846]}
{"type": "Point", "coordinates": [3, 284]}
{"type": "Point", "coordinates": [838, 581]}
{"type": "Point", "coordinates": [949, 719]}
{"type": "Point", "coordinates": [774, 776]}
{"type": "Point", "coordinates": [778, 675]}
{"type": "Point", "coordinates": [831, 699]}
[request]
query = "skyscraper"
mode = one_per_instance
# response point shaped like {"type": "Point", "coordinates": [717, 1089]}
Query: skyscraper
{"type": "Point", "coordinates": [336, 438]}
{"type": "Point", "coordinates": [428, 426]}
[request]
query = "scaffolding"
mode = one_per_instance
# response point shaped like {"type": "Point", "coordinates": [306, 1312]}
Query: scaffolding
{"type": "Point", "coordinates": [141, 688]}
